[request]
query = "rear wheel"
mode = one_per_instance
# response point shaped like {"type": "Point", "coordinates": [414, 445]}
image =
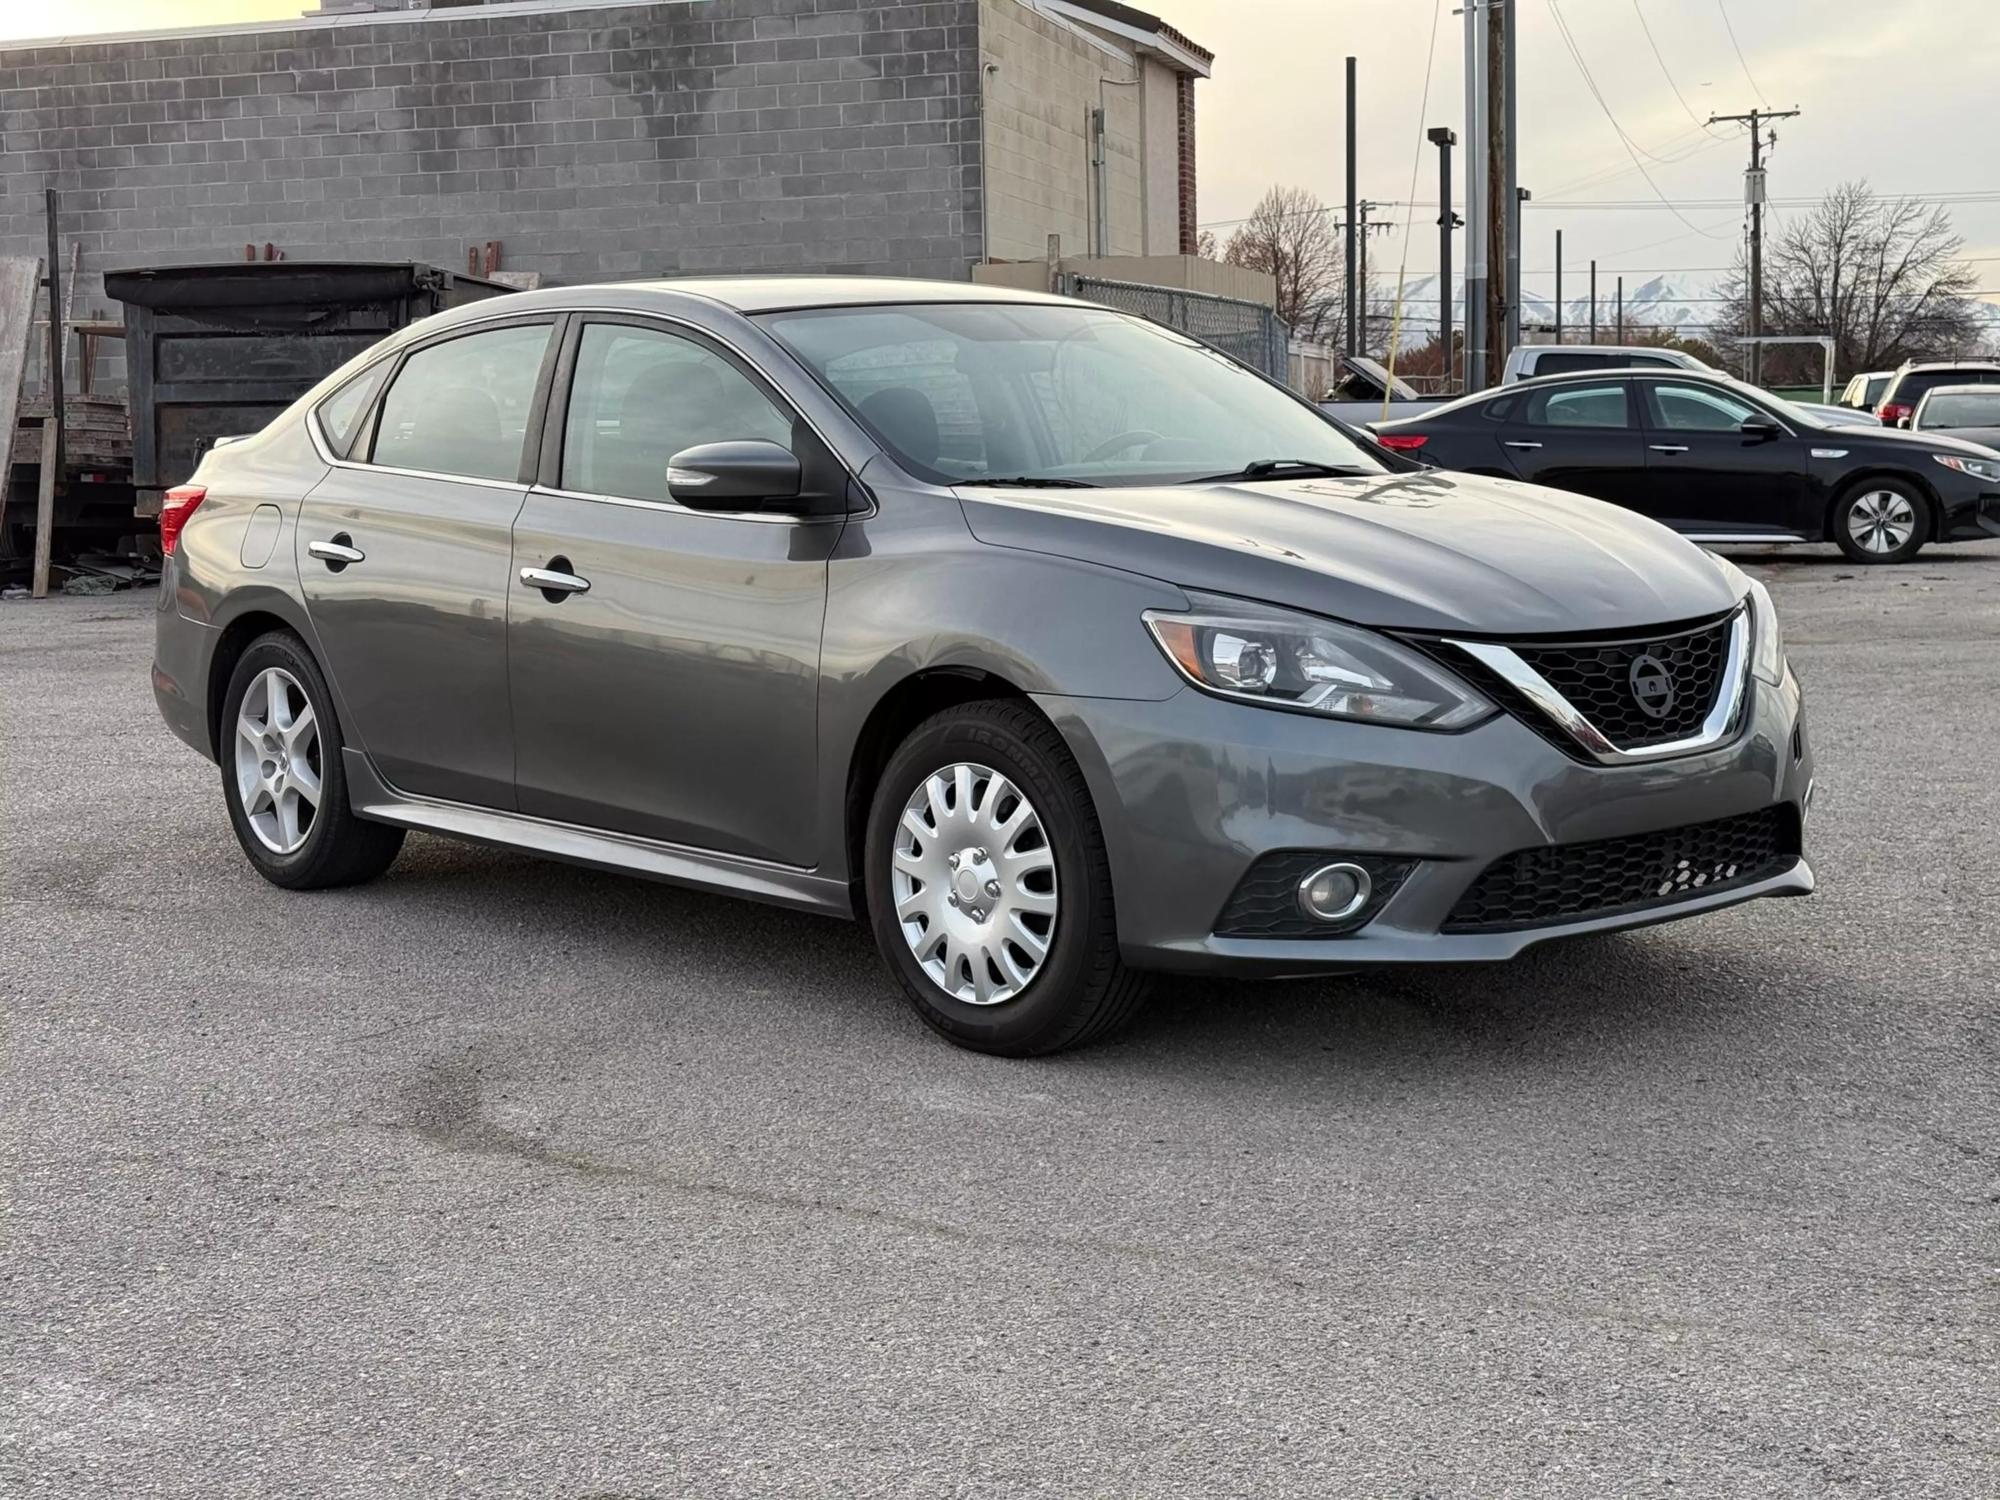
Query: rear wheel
{"type": "Point", "coordinates": [988, 887]}
{"type": "Point", "coordinates": [1881, 521]}
{"type": "Point", "coordinates": [282, 775]}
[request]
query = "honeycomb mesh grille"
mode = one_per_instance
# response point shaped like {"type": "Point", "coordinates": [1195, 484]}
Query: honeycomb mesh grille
{"type": "Point", "coordinates": [1597, 681]}
{"type": "Point", "coordinates": [1576, 882]}
{"type": "Point", "coordinates": [1266, 901]}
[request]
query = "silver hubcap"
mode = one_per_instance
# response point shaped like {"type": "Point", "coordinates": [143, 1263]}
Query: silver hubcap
{"type": "Point", "coordinates": [277, 760]}
{"type": "Point", "coordinates": [975, 884]}
{"type": "Point", "coordinates": [1881, 521]}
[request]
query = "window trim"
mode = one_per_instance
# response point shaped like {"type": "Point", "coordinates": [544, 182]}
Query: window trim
{"type": "Point", "coordinates": [546, 478]}
{"type": "Point", "coordinates": [364, 422]}
{"type": "Point", "coordinates": [531, 431]}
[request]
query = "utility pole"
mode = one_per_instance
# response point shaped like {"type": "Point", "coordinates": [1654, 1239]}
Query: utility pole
{"type": "Point", "coordinates": [1516, 195]}
{"type": "Point", "coordinates": [1500, 203]}
{"type": "Point", "coordinates": [1753, 194]}
{"type": "Point", "coordinates": [1559, 286]}
{"type": "Point", "coordinates": [1365, 207]}
{"type": "Point", "coordinates": [1621, 309]}
{"type": "Point", "coordinates": [1444, 139]}
{"type": "Point", "coordinates": [1351, 217]}
{"type": "Point", "coordinates": [1478, 214]}
{"type": "Point", "coordinates": [1593, 302]}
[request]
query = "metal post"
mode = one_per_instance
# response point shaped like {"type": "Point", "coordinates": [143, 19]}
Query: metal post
{"type": "Point", "coordinates": [1444, 139]}
{"type": "Point", "coordinates": [50, 477]}
{"type": "Point", "coordinates": [1515, 196]}
{"type": "Point", "coordinates": [1559, 286]}
{"type": "Point", "coordinates": [1097, 172]}
{"type": "Point", "coordinates": [1593, 302]}
{"type": "Point", "coordinates": [1361, 295]}
{"type": "Point", "coordinates": [1621, 309]}
{"type": "Point", "coordinates": [1352, 191]}
{"type": "Point", "coordinates": [1499, 211]}
{"type": "Point", "coordinates": [1477, 210]}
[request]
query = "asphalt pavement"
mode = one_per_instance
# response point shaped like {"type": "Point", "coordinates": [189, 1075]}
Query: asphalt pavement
{"type": "Point", "coordinates": [498, 1177]}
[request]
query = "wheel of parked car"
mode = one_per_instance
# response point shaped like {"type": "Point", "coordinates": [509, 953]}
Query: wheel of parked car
{"type": "Point", "coordinates": [282, 775]}
{"type": "Point", "coordinates": [1881, 521]}
{"type": "Point", "coordinates": [988, 886]}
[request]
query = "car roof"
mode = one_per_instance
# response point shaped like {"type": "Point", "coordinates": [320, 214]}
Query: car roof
{"type": "Point", "coordinates": [1961, 390]}
{"type": "Point", "coordinates": [1910, 367]}
{"type": "Point", "coordinates": [1637, 372]}
{"type": "Point", "coordinates": [1540, 349]}
{"type": "Point", "coordinates": [755, 294]}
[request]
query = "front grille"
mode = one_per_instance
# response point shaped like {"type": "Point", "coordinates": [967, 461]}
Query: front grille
{"type": "Point", "coordinates": [1560, 883]}
{"type": "Point", "coordinates": [1266, 901]}
{"type": "Point", "coordinates": [1598, 682]}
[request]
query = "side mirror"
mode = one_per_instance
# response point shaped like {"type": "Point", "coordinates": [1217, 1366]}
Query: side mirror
{"type": "Point", "coordinates": [1760, 429]}
{"type": "Point", "coordinates": [734, 476]}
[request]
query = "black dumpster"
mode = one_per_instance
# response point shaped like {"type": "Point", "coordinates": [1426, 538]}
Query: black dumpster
{"type": "Point", "coordinates": [212, 351]}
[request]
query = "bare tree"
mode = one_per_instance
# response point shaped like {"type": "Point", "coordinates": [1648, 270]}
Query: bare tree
{"type": "Point", "coordinates": [1290, 236]}
{"type": "Point", "coordinates": [1877, 275]}
{"type": "Point", "coordinates": [1207, 246]}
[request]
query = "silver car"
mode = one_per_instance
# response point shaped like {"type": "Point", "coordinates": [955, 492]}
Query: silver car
{"type": "Point", "coordinates": [1053, 644]}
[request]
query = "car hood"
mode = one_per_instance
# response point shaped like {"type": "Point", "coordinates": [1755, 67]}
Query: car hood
{"type": "Point", "coordinates": [1958, 439]}
{"type": "Point", "coordinates": [1429, 551]}
{"type": "Point", "coordinates": [1900, 439]}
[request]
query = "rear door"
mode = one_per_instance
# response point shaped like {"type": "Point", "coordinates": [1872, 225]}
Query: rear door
{"type": "Point", "coordinates": [1707, 477]}
{"type": "Point", "coordinates": [404, 553]}
{"type": "Point", "coordinates": [1580, 436]}
{"type": "Point", "coordinates": [675, 697]}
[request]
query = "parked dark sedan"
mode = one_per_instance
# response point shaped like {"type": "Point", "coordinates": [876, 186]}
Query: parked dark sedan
{"type": "Point", "coordinates": [1717, 460]}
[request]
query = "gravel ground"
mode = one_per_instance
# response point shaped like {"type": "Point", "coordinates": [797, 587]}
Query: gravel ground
{"type": "Point", "coordinates": [506, 1178]}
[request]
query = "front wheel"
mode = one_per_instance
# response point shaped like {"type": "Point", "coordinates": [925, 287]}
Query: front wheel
{"type": "Point", "coordinates": [988, 887]}
{"type": "Point", "coordinates": [1881, 521]}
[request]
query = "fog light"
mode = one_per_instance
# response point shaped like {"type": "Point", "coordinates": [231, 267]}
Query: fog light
{"type": "Point", "coordinates": [1333, 893]}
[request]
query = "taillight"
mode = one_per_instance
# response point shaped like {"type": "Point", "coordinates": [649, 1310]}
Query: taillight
{"type": "Point", "coordinates": [175, 507]}
{"type": "Point", "coordinates": [1894, 413]}
{"type": "Point", "coordinates": [1402, 442]}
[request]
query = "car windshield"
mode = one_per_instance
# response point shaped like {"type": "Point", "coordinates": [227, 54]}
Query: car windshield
{"type": "Point", "coordinates": [1031, 393]}
{"type": "Point", "coordinates": [1963, 409]}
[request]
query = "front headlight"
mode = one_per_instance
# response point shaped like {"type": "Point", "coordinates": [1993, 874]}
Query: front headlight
{"type": "Point", "coordinates": [1767, 642]}
{"type": "Point", "coordinates": [1979, 468]}
{"type": "Point", "coordinates": [1286, 660]}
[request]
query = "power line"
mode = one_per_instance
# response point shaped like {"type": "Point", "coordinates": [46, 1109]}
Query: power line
{"type": "Point", "coordinates": [1666, 72]}
{"type": "Point", "coordinates": [1724, 10]}
{"type": "Point", "coordinates": [1576, 56]}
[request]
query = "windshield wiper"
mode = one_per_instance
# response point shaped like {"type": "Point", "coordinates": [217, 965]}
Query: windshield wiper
{"type": "Point", "coordinates": [1033, 482]}
{"type": "Point", "coordinates": [1287, 468]}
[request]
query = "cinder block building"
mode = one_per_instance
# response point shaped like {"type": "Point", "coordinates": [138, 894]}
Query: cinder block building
{"type": "Point", "coordinates": [605, 139]}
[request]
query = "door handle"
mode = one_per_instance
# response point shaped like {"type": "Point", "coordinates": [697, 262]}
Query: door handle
{"type": "Point", "coordinates": [1520, 445]}
{"type": "Point", "coordinates": [338, 552]}
{"type": "Point", "coordinates": [1668, 447]}
{"type": "Point", "coordinates": [555, 583]}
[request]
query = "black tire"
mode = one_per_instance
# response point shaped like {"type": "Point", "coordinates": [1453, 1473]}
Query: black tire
{"type": "Point", "coordinates": [1845, 524]}
{"type": "Point", "coordinates": [1082, 992]}
{"type": "Point", "coordinates": [339, 848]}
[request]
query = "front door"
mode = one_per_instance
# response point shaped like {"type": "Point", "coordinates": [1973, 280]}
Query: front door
{"type": "Point", "coordinates": [1707, 477]}
{"type": "Point", "coordinates": [676, 697]}
{"type": "Point", "coordinates": [404, 556]}
{"type": "Point", "coordinates": [1581, 437]}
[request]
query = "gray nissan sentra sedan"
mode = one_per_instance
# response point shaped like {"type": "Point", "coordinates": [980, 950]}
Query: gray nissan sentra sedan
{"type": "Point", "coordinates": [1054, 644]}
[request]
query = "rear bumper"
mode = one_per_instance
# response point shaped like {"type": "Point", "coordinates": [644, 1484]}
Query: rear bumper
{"type": "Point", "coordinates": [182, 651]}
{"type": "Point", "coordinates": [1192, 790]}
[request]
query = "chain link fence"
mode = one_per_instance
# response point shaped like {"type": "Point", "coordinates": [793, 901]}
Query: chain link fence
{"type": "Point", "coordinates": [1248, 331]}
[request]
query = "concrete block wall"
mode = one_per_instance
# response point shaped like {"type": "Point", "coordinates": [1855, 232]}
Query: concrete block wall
{"type": "Point", "coordinates": [1037, 104]}
{"type": "Point", "coordinates": [595, 141]}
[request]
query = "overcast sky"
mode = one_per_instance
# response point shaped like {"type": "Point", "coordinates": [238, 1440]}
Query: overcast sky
{"type": "Point", "coordinates": [1900, 92]}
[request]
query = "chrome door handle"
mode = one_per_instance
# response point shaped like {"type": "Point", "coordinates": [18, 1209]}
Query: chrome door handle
{"type": "Point", "coordinates": [1668, 447]}
{"type": "Point", "coordinates": [550, 581]}
{"type": "Point", "coordinates": [336, 553]}
{"type": "Point", "coordinates": [1520, 445]}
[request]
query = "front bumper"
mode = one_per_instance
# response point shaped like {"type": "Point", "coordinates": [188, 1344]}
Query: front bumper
{"type": "Point", "coordinates": [1193, 789]}
{"type": "Point", "coordinates": [1972, 518]}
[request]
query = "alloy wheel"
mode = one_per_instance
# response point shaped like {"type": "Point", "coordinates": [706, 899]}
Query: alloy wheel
{"type": "Point", "coordinates": [278, 760]}
{"type": "Point", "coordinates": [974, 882]}
{"type": "Point", "coordinates": [1881, 521]}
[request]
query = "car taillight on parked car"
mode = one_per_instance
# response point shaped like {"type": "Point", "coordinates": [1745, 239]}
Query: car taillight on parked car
{"type": "Point", "coordinates": [1894, 413]}
{"type": "Point", "coordinates": [1402, 442]}
{"type": "Point", "coordinates": [175, 507]}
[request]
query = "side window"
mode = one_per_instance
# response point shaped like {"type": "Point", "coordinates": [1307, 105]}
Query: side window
{"type": "Point", "coordinates": [461, 407]}
{"type": "Point", "coordinates": [1597, 406]}
{"type": "Point", "coordinates": [340, 414]}
{"type": "Point", "coordinates": [639, 396]}
{"type": "Point", "coordinates": [1690, 408]}
{"type": "Point", "coordinates": [1557, 363]}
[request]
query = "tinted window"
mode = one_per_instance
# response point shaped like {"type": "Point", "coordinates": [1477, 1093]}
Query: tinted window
{"type": "Point", "coordinates": [1563, 364]}
{"type": "Point", "coordinates": [640, 396]}
{"type": "Point", "coordinates": [1872, 390]}
{"type": "Point", "coordinates": [461, 407]}
{"type": "Point", "coordinates": [340, 414]}
{"type": "Point", "coordinates": [1695, 408]}
{"type": "Point", "coordinates": [964, 391]}
{"type": "Point", "coordinates": [1971, 409]}
{"type": "Point", "coordinates": [1914, 384]}
{"type": "Point", "coordinates": [1577, 406]}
